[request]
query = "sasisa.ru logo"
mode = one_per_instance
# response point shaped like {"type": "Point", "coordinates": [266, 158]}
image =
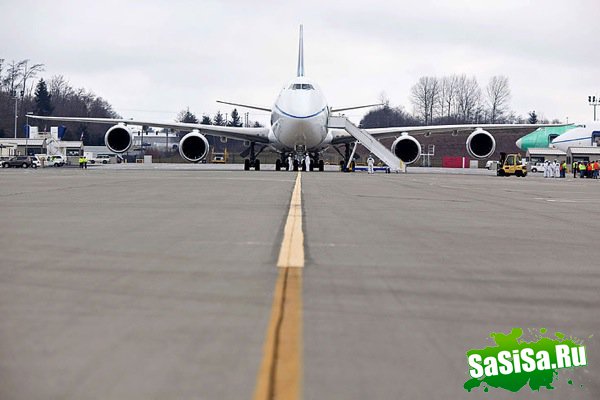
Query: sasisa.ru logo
{"type": "Point", "coordinates": [514, 362]}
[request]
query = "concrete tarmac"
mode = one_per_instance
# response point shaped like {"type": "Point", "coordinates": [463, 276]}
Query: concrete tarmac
{"type": "Point", "coordinates": [126, 283]}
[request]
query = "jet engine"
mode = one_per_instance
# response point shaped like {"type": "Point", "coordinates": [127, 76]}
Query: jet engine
{"type": "Point", "coordinates": [480, 144]}
{"type": "Point", "coordinates": [118, 138]}
{"type": "Point", "coordinates": [407, 148]}
{"type": "Point", "coordinates": [193, 146]}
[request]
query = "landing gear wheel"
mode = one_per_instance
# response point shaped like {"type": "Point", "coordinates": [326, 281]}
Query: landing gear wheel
{"type": "Point", "coordinates": [246, 165]}
{"type": "Point", "coordinates": [257, 165]}
{"type": "Point", "coordinates": [278, 165]}
{"type": "Point", "coordinates": [321, 166]}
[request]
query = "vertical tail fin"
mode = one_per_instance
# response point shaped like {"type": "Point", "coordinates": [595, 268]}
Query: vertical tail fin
{"type": "Point", "coordinates": [301, 53]}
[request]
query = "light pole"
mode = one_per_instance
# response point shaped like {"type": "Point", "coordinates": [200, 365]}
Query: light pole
{"type": "Point", "coordinates": [14, 94]}
{"type": "Point", "coordinates": [594, 101]}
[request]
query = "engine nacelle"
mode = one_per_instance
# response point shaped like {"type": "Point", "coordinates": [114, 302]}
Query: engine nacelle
{"type": "Point", "coordinates": [407, 148]}
{"type": "Point", "coordinates": [118, 138]}
{"type": "Point", "coordinates": [193, 146]}
{"type": "Point", "coordinates": [481, 144]}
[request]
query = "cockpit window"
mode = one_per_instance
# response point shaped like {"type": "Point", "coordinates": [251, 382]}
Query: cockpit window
{"type": "Point", "coordinates": [301, 86]}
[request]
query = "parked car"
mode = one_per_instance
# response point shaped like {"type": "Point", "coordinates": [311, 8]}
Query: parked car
{"type": "Point", "coordinates": [55, 161]}
{"type": "Point", "coordinates": [100, 159]}
{"type": "Point", "coordinates": [19, 161]}
{"type": "Point", "coordinates": [537, 167]}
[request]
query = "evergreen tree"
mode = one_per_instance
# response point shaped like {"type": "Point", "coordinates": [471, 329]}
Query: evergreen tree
{"type": "Point", "coordinates": [533, 119]}
{"type": "Point", "coordinates": [187, 117]}
{"type": "Point", "coordinates": [235, 119]}
{"type": "Point", "coordinates": [43, 99]}
{"type": "Point", "coordinates": [206, 120]}
{"type": "Point", "coordinates": [218, 119]}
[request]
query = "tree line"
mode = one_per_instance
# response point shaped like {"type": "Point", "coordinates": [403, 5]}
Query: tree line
{"type": "Point", "coordinates": [234, 119]}
{"type": "Point", "coordinates": [453, 99]}
{"type": "Point", "coordinates": [19, 84]}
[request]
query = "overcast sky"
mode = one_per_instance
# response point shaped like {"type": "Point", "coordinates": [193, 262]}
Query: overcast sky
{"type": "Point", "coordinates": [151, 59]}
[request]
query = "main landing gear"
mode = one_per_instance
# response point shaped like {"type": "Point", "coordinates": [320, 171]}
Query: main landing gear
{"type": "Point", "coordinates": [253, 161]}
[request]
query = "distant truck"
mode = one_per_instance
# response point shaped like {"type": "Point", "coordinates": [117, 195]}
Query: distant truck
{"type": "Point", "coordinates": [46, 160]}
{"type": "Point", "coordinates": [55, 161]}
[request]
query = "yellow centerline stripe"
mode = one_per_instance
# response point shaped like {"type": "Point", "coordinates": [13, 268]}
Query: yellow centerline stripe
{"type": "Point", "coordinates": [292, 246]}
{"type": "Point", "coordinates": [280, 374]}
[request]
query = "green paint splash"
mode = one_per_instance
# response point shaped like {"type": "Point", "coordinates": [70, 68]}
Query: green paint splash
{"type": "Point", "coordinates": [516, 381]}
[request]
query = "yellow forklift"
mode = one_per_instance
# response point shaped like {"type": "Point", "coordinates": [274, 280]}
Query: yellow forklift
{"type": "Point", "coordinates": [511, 164]}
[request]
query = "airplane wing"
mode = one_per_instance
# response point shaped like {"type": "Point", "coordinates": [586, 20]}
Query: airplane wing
{"type": "Point", "coordinates": [258, 135]}
{"type": "Point", "coordinates": [341, 136]}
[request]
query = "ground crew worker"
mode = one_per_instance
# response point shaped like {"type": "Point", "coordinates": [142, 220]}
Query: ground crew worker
{"type": "Point", "coordinates": [589, 169]}
{"type": "Point", "coordinates": [370, 163]}
{"type": "Point", "coordinates": [582, 170]}
{"type": "Point", "coordinates": [556, 169]}
{"type": "Point", "coordinates": [546, 169]}
{"type": "Point", "coordinates": [574, 167]}
{"type": "Point", "coordinates": [290, 163]}
{"type": "Point", "coordinates": [307, 162]}
{"type": "Point", "coordinates": [596, 169]}
{"type": "Point", "coordinates": [81, 162]}
{"type": "Point", "coordinates": [85, 162]}
{"type": "Point", "coordinates": [563, 168]}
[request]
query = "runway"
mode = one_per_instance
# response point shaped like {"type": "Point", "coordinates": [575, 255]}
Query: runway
{"type": "Point", "coordinates": [159, 283]}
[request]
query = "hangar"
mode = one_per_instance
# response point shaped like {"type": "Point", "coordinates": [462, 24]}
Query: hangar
{"type": "Point", "coordinates": [542, 154]}
{"type": "Point", "coordinates": [583, 154]}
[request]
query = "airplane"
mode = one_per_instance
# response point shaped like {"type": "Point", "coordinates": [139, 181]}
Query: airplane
{"type": "Point", "coordinates": [582, 135]}
{"type": "Point", "coordinates": [299, 126]}
{"type": "Point", "coordinates": [541, 137]}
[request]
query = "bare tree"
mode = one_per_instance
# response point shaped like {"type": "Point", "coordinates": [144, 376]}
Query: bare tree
{"type": "Point", "coordinates": [29, 72]}
{"type": "Point", "coordinates": [13, 78]}
{"type": "Point", "coordinates": [447, 98]}
{"type": "Point", "coordinates": [424, 97]}
{"type": "Point", "coordinates": [497, 96]}
{"type": "Point", "coordinates": [468, 97]}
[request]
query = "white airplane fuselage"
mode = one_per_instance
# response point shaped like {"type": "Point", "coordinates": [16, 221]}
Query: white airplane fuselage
{"type": "Point", "coordinates": [299, 118]}
{"type": "Point", "coordinates": [580, 136]}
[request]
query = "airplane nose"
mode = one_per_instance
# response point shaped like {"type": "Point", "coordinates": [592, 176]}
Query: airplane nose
{"type": "Point", "coordinates": [519, 142]}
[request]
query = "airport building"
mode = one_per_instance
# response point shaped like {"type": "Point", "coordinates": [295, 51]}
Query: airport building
{"type": "Point", "coordinates": [41, 143]}
{"type": "Point", "coordinates": [542, 154]}
{"type": "Point", "coordinates": [583, 154]}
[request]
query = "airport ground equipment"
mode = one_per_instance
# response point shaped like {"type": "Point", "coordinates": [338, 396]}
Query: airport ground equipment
{"type": "Point", "coordinates": [365, 138]}
{"type": "Point", "coordinates": [511, 164]}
